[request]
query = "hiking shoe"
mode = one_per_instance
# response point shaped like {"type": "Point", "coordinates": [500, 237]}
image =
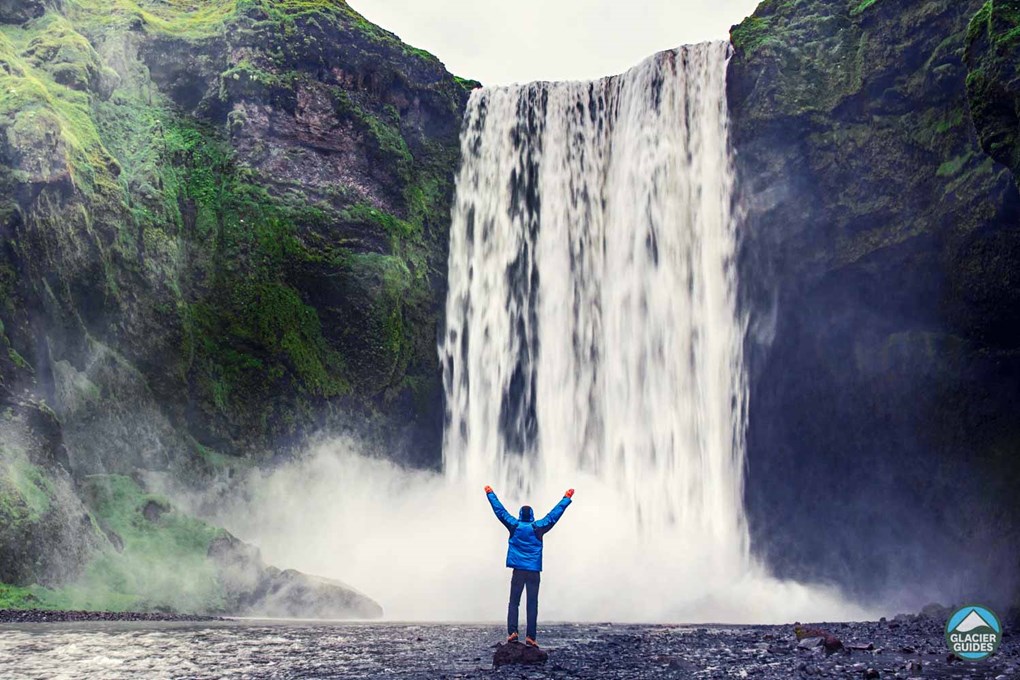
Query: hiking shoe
{"type": "Point", "coordinates": [531, 642]}
{"type": "Point", "coordinates": [512, 637]}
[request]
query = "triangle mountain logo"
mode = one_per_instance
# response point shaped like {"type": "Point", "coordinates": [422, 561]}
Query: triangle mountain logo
{"type": "Point", "coordinates": [972, 621]}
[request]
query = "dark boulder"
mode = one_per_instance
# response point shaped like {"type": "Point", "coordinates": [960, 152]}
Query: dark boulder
{"type": "Point", "coordinates": [514, 653]}
{"type": "Point", "coordinates": [809, 638]}
{"type": "Point", "coordinates": [153, 510]}
{"type": "Point", "coordinates": [832, 644]}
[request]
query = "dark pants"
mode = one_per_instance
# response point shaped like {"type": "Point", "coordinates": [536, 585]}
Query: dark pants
{"type": "Point", "coordinates": [520, 579]}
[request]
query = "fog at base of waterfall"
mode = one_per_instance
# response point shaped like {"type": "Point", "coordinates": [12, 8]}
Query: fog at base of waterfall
{"type": "Point", "coordinates": [429, 548]}
{"type": "Point", "coordinates": [593, 340]}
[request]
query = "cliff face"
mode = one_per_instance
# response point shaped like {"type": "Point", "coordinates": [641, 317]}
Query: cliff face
{"type": "Point", "coordinates": [222, 228]}
{"type": "Point", "coordinates": [879, 267]}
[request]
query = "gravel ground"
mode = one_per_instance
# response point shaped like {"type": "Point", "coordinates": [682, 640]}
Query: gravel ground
{"type": "Point", "coordinates": [46, 616]}
{"type": "Point", "coordinates": [902, 648]}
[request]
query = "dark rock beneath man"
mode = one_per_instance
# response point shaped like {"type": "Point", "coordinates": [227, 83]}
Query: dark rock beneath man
{"type": "Point", "coordinates": [516, 653]}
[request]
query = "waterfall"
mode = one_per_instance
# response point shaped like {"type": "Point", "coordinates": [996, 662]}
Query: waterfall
{"type": "Point", "coordinates": [592, 323]}
{"type": "Point", "coordinates": [593, 341]}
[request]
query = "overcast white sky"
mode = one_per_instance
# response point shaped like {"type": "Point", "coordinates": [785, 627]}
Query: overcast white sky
{"type": "Point", "coordinates": [522, 40]}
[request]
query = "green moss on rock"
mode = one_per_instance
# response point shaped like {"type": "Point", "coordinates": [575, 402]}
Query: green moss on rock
{"type": "Point", "coordinates": [25, 491]}
{"type": "Point", "coordinates": [752, 34]}
{"type": "Point", "coordinates": [152, 558]}
{"type": "Point", "coordinates": [156, 557]}
{"type": "Point", "coordinates": [993, 80]}
{"type": "Point", "coordinates": [19, 597]}
{"type": "Point", "coordinates": [862, 6]}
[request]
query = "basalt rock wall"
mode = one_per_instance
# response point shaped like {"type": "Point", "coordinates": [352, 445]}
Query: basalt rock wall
{"type": "Point", "coordinates": [876, 150]}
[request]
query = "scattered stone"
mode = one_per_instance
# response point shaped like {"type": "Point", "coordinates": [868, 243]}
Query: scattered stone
{"type": "Point", "coordinates": [814, 637]}
{"type": "Point", "coordinates": [832, 644]}
{"type": "Point", "coordinates": [811, 642]}
{"type": "Point", "coordinates": [871, 673]}
{"type": "Point", "coordinates": [858, 647]}
{"type": "Point", "coordinates": [515, 653]}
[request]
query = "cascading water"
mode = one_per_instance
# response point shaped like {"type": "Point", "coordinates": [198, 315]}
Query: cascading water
{"type": "Point", "coordinates": [593, 341]}
{"type": "Point", "coordinates": [592, 324]}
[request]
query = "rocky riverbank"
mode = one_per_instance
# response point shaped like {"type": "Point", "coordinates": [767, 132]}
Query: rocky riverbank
{"type": "Point", "coordinates": [899, 648]}
{"type": "Point", "coordinates": [47, 616]}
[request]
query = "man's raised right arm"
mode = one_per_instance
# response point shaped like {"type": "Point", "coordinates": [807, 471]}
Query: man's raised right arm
{"type": "Point", "coordinates": [508, 520]}
{"type": "Point", "coordinates": [543, 525]}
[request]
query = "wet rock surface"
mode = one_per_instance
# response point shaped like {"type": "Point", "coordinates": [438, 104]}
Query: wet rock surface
{"type": "Point", "coordinates": [900, 648]}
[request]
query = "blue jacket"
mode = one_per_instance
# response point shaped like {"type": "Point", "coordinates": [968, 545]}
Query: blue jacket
{"type": "Point", "coordinates": [525, 544]}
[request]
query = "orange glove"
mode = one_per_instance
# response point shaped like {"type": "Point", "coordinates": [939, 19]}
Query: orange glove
{"type": "Point", "coordinates": [488, 489]}
{"type": "Point", "coordinates": [569, 493]}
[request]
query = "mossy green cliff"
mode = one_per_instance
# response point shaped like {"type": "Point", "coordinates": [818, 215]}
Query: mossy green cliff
{"type": "Point", "coordinates": [223, 228]}
{"type": "Point", "coordinates": [875, 141]}
{"type": "Point", "coordinates": [237, 212]}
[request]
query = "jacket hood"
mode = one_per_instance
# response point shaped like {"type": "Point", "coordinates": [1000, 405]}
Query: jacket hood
{"type": "Point", "coordinates": [526, 514]}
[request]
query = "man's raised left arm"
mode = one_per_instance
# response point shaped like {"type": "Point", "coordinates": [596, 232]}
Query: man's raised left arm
{"type": "Point", "coordinates": [508, 520]}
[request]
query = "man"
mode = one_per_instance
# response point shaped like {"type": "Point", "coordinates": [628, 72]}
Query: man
{"type": "Point", "coordinates": [524, 556]}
